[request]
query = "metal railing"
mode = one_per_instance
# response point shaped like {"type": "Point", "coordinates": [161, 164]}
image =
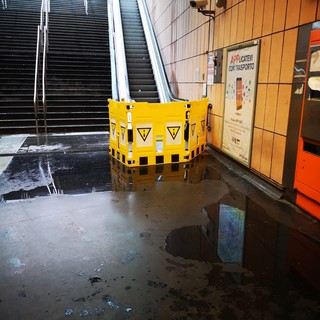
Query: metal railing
{"type": "Point", "coordinates": [42, 47]}
{"type": "Point", "coordinates": [85, 3]}
{"type": "Point", "coordinates": [36, 78]}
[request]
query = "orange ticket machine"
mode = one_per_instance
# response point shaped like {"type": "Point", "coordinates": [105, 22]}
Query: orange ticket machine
{"type": "Point", "coordinates": [307, 176]}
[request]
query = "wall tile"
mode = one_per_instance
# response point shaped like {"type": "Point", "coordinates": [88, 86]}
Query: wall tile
{"type": "Point", "coordinates": [258, 18]}
{"type": "Point", "coordinates": [265, 48]}
{"type": "Point", "coordinates": [222, 100]}
{"type": "Point", "coordinates": [221, 30]}
{"type": "Point", "coordinates": [268, 17]}
{"type": "Point", "coordinates": [278, 153]}
{"type": "Point", "coordinates": [293, 13]}
{"type": "Point", "coordinates": [217, 131]}
{"type": "Point", "coordinates": [260, 105]}
{"type": "Point", "coordinates": [288, 56]}
{"type": "Point", "coordinates": [279, 15]}
{"type": "Point", "coordinates": [241, 20]}
{"type": "Point", "coordinates": [216, 99]}
{"type": "Point", "coordinates": [308, 11]}
{"type": "Point", "coordinates": [227, 30]}
{"type": "Point", "coordinates": [318, 13]}
{"type": "Point", "coordinates": [256, 149]}
{"type": "Point", "coordinates": [266, 153]}
{"type": "Point", "coordinates": [248, 25]}
{"type": "Point", "coordinates": [234, 24]}
{"type": "Point", "coordinates": [216, 33]}
{"type": "Point", "coordinates": [211, 95]}
{"type": "Point", "coordinates": [283, 106]}
{"type": "Point", "coordinates": [271, 107]}
{"type": "Point", "coordinates": [275, 57]}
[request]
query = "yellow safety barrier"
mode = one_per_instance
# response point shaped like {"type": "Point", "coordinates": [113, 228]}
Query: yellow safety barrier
{"type": "Point", "coordinates": [143, 133]}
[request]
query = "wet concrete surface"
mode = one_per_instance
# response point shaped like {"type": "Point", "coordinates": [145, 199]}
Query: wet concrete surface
{"type": "Point", "coordinates": [39, 175]}
{"type": "Point", "coordinates": [81, 236]}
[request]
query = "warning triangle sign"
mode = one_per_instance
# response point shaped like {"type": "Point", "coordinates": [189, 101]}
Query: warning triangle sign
{"type": "Point", "coordinates": [113, 127]}
{"type": "Point", "coordinates": [123, 131]}
{"type": "Point", "coordinates": [203, 122]}
{"type": "Point", "coordinates": [173, 131]}
{"type": "Point", "coordinates": [144, 132]}
{"type": "Point", "coordinates": [193, 128]}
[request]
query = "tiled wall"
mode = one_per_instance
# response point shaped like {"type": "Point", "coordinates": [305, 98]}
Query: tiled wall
{"type": "Point", "coordinates": [186, 37]}
{"type": "Point", "coordinates": [183, 36]}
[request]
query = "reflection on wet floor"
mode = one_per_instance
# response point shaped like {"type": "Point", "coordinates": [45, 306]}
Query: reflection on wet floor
{"type": "Point", "coordinates": [79, 173]}
{"type": "Point", "coordinates": [42, 175]}
{"type": "Point", "coordinates": [142, 178]}
{"type": "Point", "coordinates": [246, 246]}
{"type": "Point", "coordinates": [53, 164]}
{"type": "Point", "coordinates": [182, 241]}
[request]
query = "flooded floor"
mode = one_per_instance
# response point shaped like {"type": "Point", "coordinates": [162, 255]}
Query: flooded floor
{"type": "Point", "coordinates": [81, 236]}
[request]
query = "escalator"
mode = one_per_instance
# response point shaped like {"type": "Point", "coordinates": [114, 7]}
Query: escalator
{"type": "Point", "coordinates": [148, 124]}
{"type": "Point", "coordinates": [142, 85]}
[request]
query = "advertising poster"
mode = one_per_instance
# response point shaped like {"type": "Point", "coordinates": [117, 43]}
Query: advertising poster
{"type": "Point", "coordinates": [240, 92]}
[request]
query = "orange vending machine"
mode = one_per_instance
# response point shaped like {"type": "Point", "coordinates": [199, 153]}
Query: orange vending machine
{"type": "Point", "coordinates": [307, 177]}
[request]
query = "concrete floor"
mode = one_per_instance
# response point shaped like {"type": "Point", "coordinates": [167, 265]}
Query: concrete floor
{"type": "Point", "coordinates": [83, 237]}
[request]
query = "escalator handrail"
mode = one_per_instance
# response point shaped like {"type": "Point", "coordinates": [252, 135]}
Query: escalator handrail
{"type": "Point", "coordinates": [119, 53]}
{"type": "Point", "coordinates": [164, 90]}
{"type": "Point", "coordinates": [115, 93]}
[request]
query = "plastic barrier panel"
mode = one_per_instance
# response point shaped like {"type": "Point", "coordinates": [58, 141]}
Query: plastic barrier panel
{"type": "Point", "coordinates": [143, 133]}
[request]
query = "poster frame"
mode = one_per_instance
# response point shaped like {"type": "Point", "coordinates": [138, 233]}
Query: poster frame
{"type": "Point", "coordinates": [256, 72]}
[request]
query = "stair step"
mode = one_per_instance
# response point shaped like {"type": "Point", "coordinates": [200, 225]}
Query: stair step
{"type": "Point", "coordinates": [78, 75]}
{"type": "Point", "coordinates": [76, 108]}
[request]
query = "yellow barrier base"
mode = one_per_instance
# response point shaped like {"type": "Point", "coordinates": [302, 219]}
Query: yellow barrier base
{"type": "Point", "coordinates": [143, 133]}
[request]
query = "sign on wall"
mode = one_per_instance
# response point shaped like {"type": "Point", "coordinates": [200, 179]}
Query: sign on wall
{"type": "Point", "coordinates": [210, 77]}
{"type": "Point", "coordinates": [240, 93]}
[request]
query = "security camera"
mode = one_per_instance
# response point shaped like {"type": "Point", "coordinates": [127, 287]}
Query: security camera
{"type": "Point", "coordinates": [220, 3]}
{"type": "Point", "coordinates": [198, 4]}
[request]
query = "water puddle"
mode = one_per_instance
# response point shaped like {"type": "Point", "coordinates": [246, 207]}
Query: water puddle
{"type": "Point", "coordinates": [37, 175]}
{"type": "Point", "coordinates": [245, 245]}
{"type": "Point", "coordinates": [42, 175]}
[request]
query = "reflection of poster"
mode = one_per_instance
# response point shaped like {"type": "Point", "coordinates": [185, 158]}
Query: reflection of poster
{"type": "Point", "coordinates": [231, 234]}
{"type": "Point", "coordinates": [241, 78]}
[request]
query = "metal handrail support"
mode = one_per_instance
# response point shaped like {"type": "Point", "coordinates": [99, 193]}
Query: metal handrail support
{"type": "Point", "coordinates": [36, 79]}
{"type": "Point", "coordinates": [85, 3]}
{"type": "Point", "coordinates": [44, 15]}
{"type": "Point", "coordinates": [42, 45]}
{"type": "Point", "coordinates": [4, 4]}
{"type": "Point", "coordinates": [44, 12]}
{"type": "Point", "coordinates": [41, 14]}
